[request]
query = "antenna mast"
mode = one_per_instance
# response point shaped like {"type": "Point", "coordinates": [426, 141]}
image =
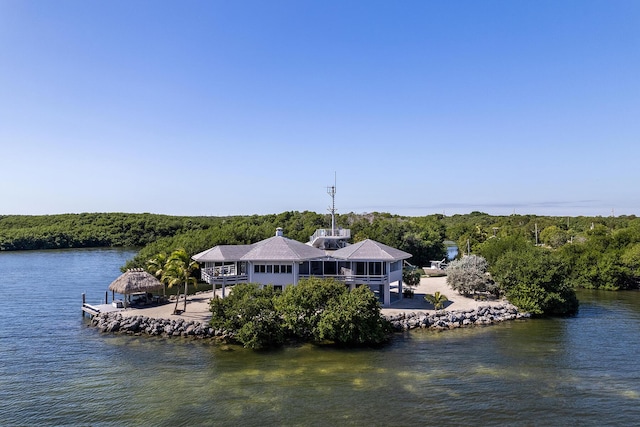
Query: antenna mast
{"type": "Point", "coordinates": [332, 192]}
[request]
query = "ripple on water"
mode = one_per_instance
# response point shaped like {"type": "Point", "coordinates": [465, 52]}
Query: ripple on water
{"type": "Point", "coordinates": [56, 371]}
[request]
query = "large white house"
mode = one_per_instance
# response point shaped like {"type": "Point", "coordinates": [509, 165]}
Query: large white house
{"type": "Point", "coordinates": [279, 261]}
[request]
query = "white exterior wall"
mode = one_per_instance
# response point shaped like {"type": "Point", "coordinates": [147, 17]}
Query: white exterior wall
{"type": "Point", "coordinates": [296, 273]}
{"type": "Point", "coordinates": [279, 279]}
{"type": "Point", "coordinates": [395, 276]}
{"type": "Point", "coordinates": [287, 279]}
{"type": "Point", "coordinates": [273, 279]}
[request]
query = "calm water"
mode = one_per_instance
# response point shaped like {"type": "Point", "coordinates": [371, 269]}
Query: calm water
{"type": "Point", "coordinates": [56, 371]}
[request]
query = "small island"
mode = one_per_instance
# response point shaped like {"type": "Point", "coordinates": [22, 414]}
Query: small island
{"type": "Point", "coordinates": [410, 313]}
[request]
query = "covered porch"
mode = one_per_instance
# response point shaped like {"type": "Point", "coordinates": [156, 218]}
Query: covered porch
{"type": "Point", "coordinates": [223, 266]}
{"type": "Point", "coordinates": [380, 276]}
{"type": "Point", "coordinates": [224, 274]}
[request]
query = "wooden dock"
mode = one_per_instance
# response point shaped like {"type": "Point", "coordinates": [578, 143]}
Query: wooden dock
{"type": "Point", "coordinates": [95, 309]}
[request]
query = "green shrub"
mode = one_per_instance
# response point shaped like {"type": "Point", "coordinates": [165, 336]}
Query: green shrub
{"type": "Point", "coordinates": [301, 306]}
{"type": "Point", "coordinates": [354, 318]}
{"type": "Point", "coordinates": [535, 280]}
{"type": "Point", "coordinates": [249, 314]}
{"type": "Point", "coordinates": [315, 310]}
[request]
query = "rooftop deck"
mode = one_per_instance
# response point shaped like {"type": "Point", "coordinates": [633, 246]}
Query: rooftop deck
{"type": "Point", "coordinates": [323, 235]}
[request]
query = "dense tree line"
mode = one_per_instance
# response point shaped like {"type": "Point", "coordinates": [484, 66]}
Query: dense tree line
{"type": "Point", "coordinates": [23, 232]}
{"type": "Point", "coordinates": [422, 237]}
{"type": "Point", "coordinates": [534, 278]}
{"type": "Point", "coordinates": [593, 252]}
{"type": "Point", "coordinates": [597, 252]}
{"type": "Point", "coordinates": [471, 230]}
{"type": "Point", "coordinates": [538, 262]}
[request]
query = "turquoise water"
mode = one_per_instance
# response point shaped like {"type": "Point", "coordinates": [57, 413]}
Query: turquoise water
{"type": "Point", "coordinates": [54, 370]}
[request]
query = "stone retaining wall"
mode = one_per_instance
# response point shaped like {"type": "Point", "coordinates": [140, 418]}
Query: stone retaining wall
{"type": "Point", "coordinates": [115, 322]}
{"type": "Point", "coordinates": [142, 325]}
{"type": "Point", "coordinates": [483, 315]}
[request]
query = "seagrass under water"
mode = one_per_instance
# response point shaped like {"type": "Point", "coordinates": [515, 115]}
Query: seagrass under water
{"type": "Point", "coordinates": [54, 370]}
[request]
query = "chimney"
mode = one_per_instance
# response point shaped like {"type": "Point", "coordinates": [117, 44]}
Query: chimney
{"type": "Point", "coordinates": [279, 232]}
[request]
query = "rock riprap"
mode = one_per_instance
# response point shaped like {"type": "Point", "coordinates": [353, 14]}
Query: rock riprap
{"type": "Point", "coordinates": [440, 320]}
{"type": "Point", "coordinates": [115, 322]}
{"type": "Point", "coordinates": [143, 325]}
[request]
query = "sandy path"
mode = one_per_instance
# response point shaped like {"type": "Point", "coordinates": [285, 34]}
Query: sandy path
{"type": "Point", "coordinates": [431, 285]}
{"type": "Point", "coordinates": [197, 309]}
{"type": "Point", "coordinates": [198, 305]}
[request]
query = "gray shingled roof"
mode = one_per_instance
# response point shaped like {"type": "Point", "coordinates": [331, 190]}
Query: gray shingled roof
{"type": "Point", "coordinates": [279, 248]}
{"type": "Point", "coordinates": [223, 253]}
{"type": "Point", "coordinates": [370, 250]}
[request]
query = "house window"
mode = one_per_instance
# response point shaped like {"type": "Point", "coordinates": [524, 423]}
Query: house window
{"type": "Point", "coordinates": [316, 268]}
{"type": "Point", "coordinates": [273, 268]}
{"type": "Point", "coordinates": [304, 268]}
{"type": "Point", "coordinates": [375, 268]}
{"type": "Point", "coordinates": [330, 268]}
{"type": "Point", "coordinates": [282, 269]}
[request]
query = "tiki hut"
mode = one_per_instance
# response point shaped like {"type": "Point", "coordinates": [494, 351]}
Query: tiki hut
{"type": "Point", "coordinates": [134, 281]}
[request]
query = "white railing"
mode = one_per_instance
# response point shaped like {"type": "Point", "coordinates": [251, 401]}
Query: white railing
{"type": "Point", "coordinates": [353, 279]}
{"type": "Point", "coordinates": [229, 280]}
{"type": "Point", "coordinates": [223, 274]}
{"type": "Point", "coordinates": [222, 270]}
{"type": "Point", "coordinates": [324, 232]}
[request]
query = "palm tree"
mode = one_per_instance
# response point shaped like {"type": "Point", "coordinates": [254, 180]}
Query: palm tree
{"type": "Point", "coordinates": [177, 272]}
{"type": "Point", "coordinates": [156, 266]}
{"type": "Point", "coordinates": [437, 300]}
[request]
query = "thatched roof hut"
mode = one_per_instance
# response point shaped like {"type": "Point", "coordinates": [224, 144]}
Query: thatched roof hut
{"type": "Point", "coordinates": [135, 280]}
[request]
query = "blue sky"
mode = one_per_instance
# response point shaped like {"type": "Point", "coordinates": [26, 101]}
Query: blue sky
{"type": "Point", "coordinates": [250, 107]}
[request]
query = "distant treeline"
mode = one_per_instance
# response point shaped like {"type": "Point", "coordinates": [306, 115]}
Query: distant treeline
{"type": "Point", "coordinates": [423, 236]}
{"type": "Point", "coordinates": [23, 232]}
{"type": "Point", "coordinates": [599, 252]}
{"type": "Point", "coordinates": [582, 252]}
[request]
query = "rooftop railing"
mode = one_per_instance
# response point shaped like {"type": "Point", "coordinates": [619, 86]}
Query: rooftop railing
{"type": "Point", "coordinates": [327, 232]}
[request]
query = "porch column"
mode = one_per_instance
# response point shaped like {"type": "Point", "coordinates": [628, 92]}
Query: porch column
{"type": "Point", "coordinates": [385, 294]}
{"type": "Point", "coordinates": [295, 269]}
{"type": "Point", "coordinates": [224, 280]}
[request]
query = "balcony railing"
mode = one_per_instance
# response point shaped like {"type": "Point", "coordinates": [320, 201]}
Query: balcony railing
{"type": "Point", "coordinates": [226, 274]}
{"type": "Point", "coordinates": [353, 279]}
{"type": "Point", "coordinates": [324, 232]}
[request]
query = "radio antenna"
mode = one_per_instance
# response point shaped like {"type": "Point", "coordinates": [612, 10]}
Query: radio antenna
{"type": "Point", "coordinates": [332, 192]}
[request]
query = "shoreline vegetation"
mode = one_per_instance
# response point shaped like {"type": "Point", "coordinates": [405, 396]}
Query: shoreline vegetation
{"type": "Point", "coordinates": [582, 252]}
{"type": "Point", "coordinates": [407, 314]}
{"type": "Point", "coordinates": [138, 324]}
{"type": "Point", "coordinates": [535, 262]}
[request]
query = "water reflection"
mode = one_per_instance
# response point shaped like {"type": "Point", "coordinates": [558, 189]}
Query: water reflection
{"type": "Point", "coordinates": [578, 370]}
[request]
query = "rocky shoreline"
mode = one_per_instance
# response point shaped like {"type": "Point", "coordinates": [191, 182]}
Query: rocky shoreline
{"type": "Point", "coordinates": [441, 320]}
{"type": "Point", "coordinates": [115, 322]}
